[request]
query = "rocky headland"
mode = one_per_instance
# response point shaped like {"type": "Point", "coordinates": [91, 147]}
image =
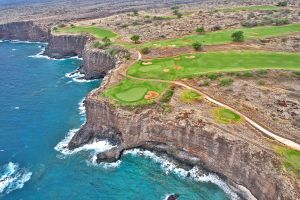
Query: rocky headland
{"type": "Point", "coordinates": [239, 154]}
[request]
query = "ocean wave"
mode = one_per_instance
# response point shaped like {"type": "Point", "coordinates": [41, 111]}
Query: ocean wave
{"type": "Point", "coordinates": [76, 76]}
{"type": "Point", "coordinates": [97, 146]}
{"type": "Point", "coordinates": [170, 167]}
{"type": "Point", "coordinates": [104, 165]}
{"type": "Point", "coordinates": [12, 177]}
{"type": "Point", "coordinates": [26, 42]}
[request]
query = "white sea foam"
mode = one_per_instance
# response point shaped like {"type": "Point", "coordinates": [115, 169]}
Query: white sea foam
{"type": "Point", "coordinates": [14, 49]}
{"type": "Point", "coordinates": [26, 42]}
{"type": "Point", "coordinates": [170, 167]}
{"type": "Point", "coordinates": [82, 111]}
{"type": "Point", "coordinates": [96, 146]}
{"type": "Point", "coordinates": [104, 165]}
{"type": "Point", "coordinates": [13, 177]}
{"type": "Point", "coordinates": [41, 55]}
{"type": "Point", "coordinates": [76, 76]}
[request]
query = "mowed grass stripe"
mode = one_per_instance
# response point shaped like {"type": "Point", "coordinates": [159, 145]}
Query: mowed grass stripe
{"type": "Point", "coordinates": [93, 30]}
{"type": "Point", "coordinates": [223, 37]}
{"type": "Point", "coordinates": [215, 62]}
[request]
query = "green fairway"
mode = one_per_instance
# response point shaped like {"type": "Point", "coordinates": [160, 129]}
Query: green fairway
{"type": "Point", "coordinates": [186, 66]}
{"type": "Point", "coordinates": [189, 96]}
{"type": "Point", "coordinates": [250, 8]}
{"type": "Point", "coordinates": [225, 116]}
{"type": "Point", "coordinates": [222, 37]}
{"type": "Point", "coordinates": [93, 30]}
{"type": "Point", "coordinates": [130, 92]}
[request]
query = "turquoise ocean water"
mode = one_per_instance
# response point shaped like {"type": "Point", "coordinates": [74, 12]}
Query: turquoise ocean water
{"type": "Point", "coordinates": [40, 105]}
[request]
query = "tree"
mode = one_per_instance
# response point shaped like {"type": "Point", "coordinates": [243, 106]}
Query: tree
{"type": "Point", "coordinates": [200, 29]}
{"type": "Point", "coordinates": [145, 50]}
{"type": "Point", "coordinates": [238, 36]}
{"type": "Point", "coordinates": [106, 41]}
{"type": "Point", "coordinates": [197, 46]}
{"type": "Point", "coordinates": [135, 38]}
{"type": "Point", "coordinates": [135, 13]}
{"type": "Point", "coordinates": [282, 4]}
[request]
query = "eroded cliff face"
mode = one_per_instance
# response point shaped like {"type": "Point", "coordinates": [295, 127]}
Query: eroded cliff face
{"type": "Point", "coordinates": [26, 30]}
{"type": "Point", "coordinates": [60, 46]}
{"type": "Point", "coordinates": [236, 152]}
{"type": "Point", "coordinates": [96, 62]}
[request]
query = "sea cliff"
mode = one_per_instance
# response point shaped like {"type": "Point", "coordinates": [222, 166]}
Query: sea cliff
{"type": "Point", "coordinates": [186, 135]}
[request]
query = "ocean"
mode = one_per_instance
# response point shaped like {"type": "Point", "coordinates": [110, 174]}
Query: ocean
{"type": "Point", "coordinates": [41, 107]}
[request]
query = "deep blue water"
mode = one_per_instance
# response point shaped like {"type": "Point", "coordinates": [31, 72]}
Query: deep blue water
{"type": "Point", "coordinates": [38, 107]}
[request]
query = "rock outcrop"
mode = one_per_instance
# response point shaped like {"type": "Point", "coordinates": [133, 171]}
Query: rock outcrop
{"type": "Point", "coordinates": [96, 63]}
{"type": "Point", "coordinates": [245, 159]}
{"type": "Point", "coordinates": [60, 46]}
{"type": "Point", "coordinates": [26, 30]}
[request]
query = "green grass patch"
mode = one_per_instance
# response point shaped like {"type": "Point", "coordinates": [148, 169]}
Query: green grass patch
{"type": "Point", "coordinates": [226, 116]}
{"type": "Point", "coordinates": [221, 37]}
{"type": "Point", "coordinates": [250, 8]}
{"type": "Point", "coordinates": [130, 92]}
{"type": "Point", "coordinates": [93, 30]}
{"type": "Point", "coordinates": [202, 63]}
{"type": "Point", "coordinates": [190, 96]}
{"type": "Point", "coordinates": [291, 159]}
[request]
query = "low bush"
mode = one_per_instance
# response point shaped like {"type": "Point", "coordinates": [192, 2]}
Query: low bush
{"type": "Point", "coordinates": [212, 76]}
{"type": "Point", "coordinates": [280, 22]}
{"type": "Point", "coordinates": [197, 46]}
{"type": "Point", "coordinates": [226, 81]}
{"type": "Point", "coordinates": [200, 29]}
{"type": "Point", "coordinates": [238, 36]}
{"type": "Point", "coordinates": [282, 3]}
{"type": "Point", "coordinates": [145, 50]}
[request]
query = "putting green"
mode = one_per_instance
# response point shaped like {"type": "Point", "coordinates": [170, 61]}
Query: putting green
{"type": "Point", "coordinates": [225, 116]}
{"type": "Point", "coordinates": [132, 94]}
{"type": "Point", "coordinates": [93, 30]}
{"type": "Point", "coordinates": [215, 62]}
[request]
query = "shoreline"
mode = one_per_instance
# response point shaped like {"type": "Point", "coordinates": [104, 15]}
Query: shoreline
{"type": "Point", "coordinates": [56, 48]}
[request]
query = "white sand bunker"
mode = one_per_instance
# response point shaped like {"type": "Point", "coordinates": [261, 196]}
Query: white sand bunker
{"type": "Point", "coordinates": [172, 45]}
{"type": "Point", "coordinates": [166, 70]}
{"type": "Point", "coordinates": [190, 57]}
{"type": "Point", "coordinates": [146, 63]}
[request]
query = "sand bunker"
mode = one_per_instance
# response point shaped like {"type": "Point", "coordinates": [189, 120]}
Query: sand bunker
{"type": "Point", "coordinates": [172, 45]}
{"type": "Point", "coordinates": [166, 70]}
{"type": "Point", "coordinates": [190, 57]}
{"type": "Point", "coordinates": [151, 95]}
{"type": "Point", "coordinates": [147, 63]}
{"type": "Point", "coordinates": [177, 67]}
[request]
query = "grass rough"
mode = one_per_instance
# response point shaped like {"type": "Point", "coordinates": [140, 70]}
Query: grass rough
{"type": "Point", "coordinates": [226, 116]}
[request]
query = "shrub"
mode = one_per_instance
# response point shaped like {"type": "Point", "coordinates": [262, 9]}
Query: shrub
{"type": "Point", "coordinates": [93, 23]}
{"type": "Point", "coordinates": [135, 38]}
{"type": "Point", "coordinates": [72, 26]}
{"type": "Point", "coordinates": [238, 36]}
{"type": "Point", "coordinates": [282, 4]}
{"type": "Point", "coordinates": [247, 74]}
{"type": "Point", "coordinates": [145, 50]}
{"type": "Point", "coordinates": [168, 95]}
{"type": "Point", "coordinates": [216, 28]}
{"type": "Point", "coordinates": [99, 45]}
{"type": "Point", "coordinates": [200, 29]}
{"type": "Point", "coordinates": [61, 25]}
{"type": "Point", "coordinates": [174, 7]}
{"type": "Point", "coordinates": [279, 22]}
{"type": "Point", "coordinates": [297, 73]}
{"type": "Point", "coordinates": [249, 24]}
{"type": "Point", "coordinates": [135, 13]}
{"type": "Point", "coordinates": [55, 28]}
{"type": "Point", "coordinates": [226, 81]}
{"type": "Point", "coordinates": [212, 76]}
{"type": "Point", "coordinates": [261, 82]}
{"type": "Point", "coordinates": [197, 46]}
{"type": "Point", "coordinates": [179, 15]}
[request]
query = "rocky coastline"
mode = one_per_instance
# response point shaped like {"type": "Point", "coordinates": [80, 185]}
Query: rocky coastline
{"type": "Point", "coordinates": [214, 148]}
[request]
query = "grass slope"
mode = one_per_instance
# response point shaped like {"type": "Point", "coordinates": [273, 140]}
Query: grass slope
{"type": "Point", "coordinates": [189, 96]}
{"type": "Point", "coordinates": [291, 159]}
{"type": "Point", "coordinates": [250, 8]}
{"type": "Point", "coordinates": [130, 92]}
{"type": "Point", "coordinates": [93, 30]}
{"type": "Point", "coordinates": [222, 37]}
{"type": "Point", "coordinates": [214, 62]}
